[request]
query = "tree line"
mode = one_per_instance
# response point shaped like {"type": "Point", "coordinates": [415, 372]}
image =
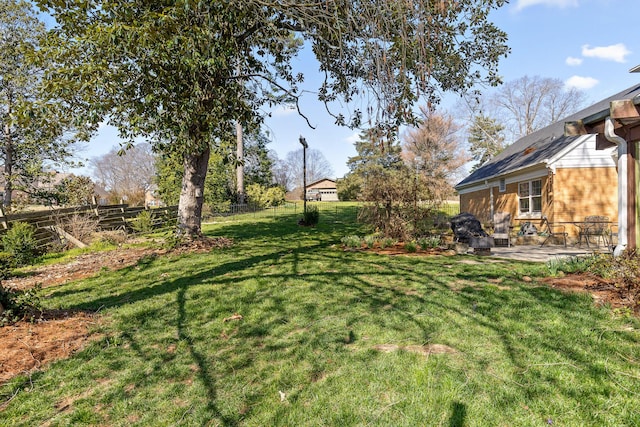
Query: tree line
{"type": "Point", "coordinates": [182, 75]}
{"type": "Point", "coordinates": [185, 76]}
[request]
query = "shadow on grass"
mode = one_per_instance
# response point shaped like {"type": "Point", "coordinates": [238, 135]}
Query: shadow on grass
{"type": "Point", "coordinates": [458, 414]}
{"type": "Point", "coordinates": [206, 377]}
{"type": "Point", "coordinates": [376, 285]}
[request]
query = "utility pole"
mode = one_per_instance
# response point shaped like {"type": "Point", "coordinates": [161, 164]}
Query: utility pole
{"type": "Point", "coordinates": [240, 164]}
{"type": "Point", "coordinates": [239, 156]}
{"type": "Point", "coordinates": [304, 172]}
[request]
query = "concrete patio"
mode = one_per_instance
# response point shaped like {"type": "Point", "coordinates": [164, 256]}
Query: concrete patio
{"type": "Point", "coordinates": [544, 253]}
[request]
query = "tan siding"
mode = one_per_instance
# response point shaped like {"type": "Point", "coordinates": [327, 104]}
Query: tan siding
{"type": "Point", "coordinates": [477, 204]}
{"type": "Point", "coordinates": [585, 191]}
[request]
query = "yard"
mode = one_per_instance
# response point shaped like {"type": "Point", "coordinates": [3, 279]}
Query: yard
{"type": "Point", "coordinates": [286, 328]}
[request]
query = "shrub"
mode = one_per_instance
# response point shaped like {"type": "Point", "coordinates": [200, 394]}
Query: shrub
{"type": "Point", "coordinates": [80, 226]}
{"type": "Point", "coordinates": [311, 216]}
{"type": "Point", "coordinates": [20, 242]}
{"type": "Point", "coordinates": [7, 262]}
{"type": "Point", "coordinates": [18, 305]}
{"type": "Point", "coordinates": [112, 237]}
{"type": "Point", "coordinates": [387, 242]}
{"type": "Point", "coordinates": [624, 270]}
{"type": "Point", "coordinates": [411, 246]}
{"type": "Point", "coordinates": [265, 197]}
{"type": "Point", "coordinates": [143, 223]}
{"type": "Point", "coordinates": [370, 240]}
{"type": "Point", "coordinates": [572, 265]}
{"type": "Point", "coordinates": [352, 241]}
{"type": "Point", "coordinates": [429, 242]}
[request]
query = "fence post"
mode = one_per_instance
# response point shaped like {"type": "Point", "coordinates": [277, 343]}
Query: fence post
{"type": "Point", "coordinates": [5, 224]}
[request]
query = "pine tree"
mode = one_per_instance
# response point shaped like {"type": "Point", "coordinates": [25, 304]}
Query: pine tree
{"type": "Point", "coordinates": [486, 139]}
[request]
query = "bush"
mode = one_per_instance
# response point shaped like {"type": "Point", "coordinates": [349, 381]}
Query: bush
{"type": "Point", "coordinates": [387, 242]}
{"type": "Point", "coordinates": [429, 242]}
{"type": "Point", "coordinates": [265, 197]}
{"type": "Point", "coordinates": [311, 216]}
{"type": "Point", "coordinates": [20, 243]}
{"type": "Point", "coordinates": [411, 246]}
{"type": "Point", "coordinates": [352, 241]}
{"type": "Point", "coordinates": [370, 240]}
{"type": "Point", "coordinates": [624, 270]}
{"type": "Point", "coordinates": [572, 265]}
{"type": "Point", "coordinates": [112, 237]}
{"type": "Point", "coordinates": [7, 262]}
{"type": "Point", "coordinates": [80, 226]}
{"type": "Point", "coordinates": [18, 305]}
{"type": "Point", "coordinates": [143, 223]}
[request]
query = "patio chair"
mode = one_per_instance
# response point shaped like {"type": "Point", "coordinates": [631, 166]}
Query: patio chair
{"type": "Point", "coordinates": [594, 225]}
{"type": "Point", "coordinates": [553, 230]}
{"type": "Point", "coordinates": [613, 237]}
{"type": "Point", "coordinates": [501, 227]}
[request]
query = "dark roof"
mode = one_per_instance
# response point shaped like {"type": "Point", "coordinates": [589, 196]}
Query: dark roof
{"type": "Point", "coordinates": [320, 180]}
{"type": "Point", "coordinates": [542, 144]}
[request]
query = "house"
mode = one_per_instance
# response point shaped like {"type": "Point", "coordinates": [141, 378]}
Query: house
{"type": "Point", "coordinates": [618, 125]}
{"type": "Point", "coordinates": [324, 190]}
{"type": "Point", "coordinates": [564, 176]}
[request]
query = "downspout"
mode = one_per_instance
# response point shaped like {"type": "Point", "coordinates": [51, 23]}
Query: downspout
{"type": "Point", "coordinates": [491, 201]}
{"type": "Point", "coordinates": [622, 184]}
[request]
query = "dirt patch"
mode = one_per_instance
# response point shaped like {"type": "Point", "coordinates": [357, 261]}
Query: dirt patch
{"type": "Point", "coordinates": [57, 334]}
{"type": "Point", "coordinates": [399, 249]}
{"type": "Point", "coordinates": [604, 292]}
{"type": "Point", "coordinates": [29, 346]}
{"type": "Point", "coordinates": [425, 350]}
{"type": "Point", "coordinates": [83, 266]}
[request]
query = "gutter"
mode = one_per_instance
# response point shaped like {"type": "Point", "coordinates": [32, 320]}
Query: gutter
{"type": "Point", "coordinates": [622, 184]}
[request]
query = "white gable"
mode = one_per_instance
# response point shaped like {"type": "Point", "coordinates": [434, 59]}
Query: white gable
{"type": "Point", "coordinates": [583, 154]}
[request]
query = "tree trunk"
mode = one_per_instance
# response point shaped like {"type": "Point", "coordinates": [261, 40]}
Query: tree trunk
{"type": "Point", "coordinates": [8, 167]}
{"type": "Point", "coordinates": [240, 167]}
{"type": "Point", "coordinates": [192, 194]}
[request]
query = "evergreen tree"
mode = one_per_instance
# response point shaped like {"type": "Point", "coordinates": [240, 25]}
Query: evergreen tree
{"type": "Point", "coordinates": [32, 132]}
{"type": "Point", "coordinates": [486, 139]}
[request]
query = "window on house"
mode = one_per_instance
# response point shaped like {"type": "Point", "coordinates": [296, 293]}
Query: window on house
{"type": "Point", "coordinates": [503, 185]}
{"type": "Point", "coordinates": [530, 196]}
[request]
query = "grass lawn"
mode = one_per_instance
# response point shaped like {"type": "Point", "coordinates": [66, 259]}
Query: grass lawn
{"type": "Point", "coordinates": [312, 346]}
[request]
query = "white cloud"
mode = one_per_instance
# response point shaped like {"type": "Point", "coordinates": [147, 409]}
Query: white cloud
{"type": "Point", "coordinates": [573, 61]}
{"type": "Point", "coordinates": [615, 52]}
{"type": "Point", "coordinates": [580, 82]}
{"type": "Point", "coordinates": [353, 138]}
{"type": "Point", "coordinates": [521, 4]}
{"type": "Point", "coordinates": [283, 111]}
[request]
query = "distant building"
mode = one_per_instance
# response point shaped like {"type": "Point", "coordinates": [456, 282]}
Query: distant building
{"type": "Point", "coordinates": [324, 190]}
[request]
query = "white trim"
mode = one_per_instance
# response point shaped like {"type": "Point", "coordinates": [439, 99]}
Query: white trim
{"type": "Point", "coordinates": [545, 163]}
{"type": "Point", "coordinates": [515, 178]}
{"type": "Point", "coordinates": [531, 213]}
{"type": "Point", "coordinates": [541, 173]}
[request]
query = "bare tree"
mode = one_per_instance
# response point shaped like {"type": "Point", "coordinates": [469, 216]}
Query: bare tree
{"type": "Point", "coordinates": [126, 174]}
{"type": "Point", "coordinates": [531, 103]}
{"type": "Point", "coordinates": [318, 167]}
{"type": "Point", "coordinates": [434, 150]}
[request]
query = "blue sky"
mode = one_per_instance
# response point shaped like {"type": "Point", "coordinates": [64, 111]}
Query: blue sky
{"type": "Point", "coordinates": [589, 44]}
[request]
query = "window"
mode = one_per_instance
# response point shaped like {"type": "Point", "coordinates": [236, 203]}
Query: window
{"type": "Point", "coordinates": [503, 185]}
{"type": "Point", "coordinates": [530, 197]}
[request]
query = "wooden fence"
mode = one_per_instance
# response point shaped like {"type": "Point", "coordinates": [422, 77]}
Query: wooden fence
{"type": "Point", "coordinates": [57, 224]}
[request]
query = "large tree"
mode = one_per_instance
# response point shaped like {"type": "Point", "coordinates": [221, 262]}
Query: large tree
{"type": "Point", "coordinates": [527, 104]}
{"type": "Point", "coordinates": [183, 72]}
{"type": "Point", "coordinates": [486, 139]}
{"type": "Point", "coordinates": [318, 167]}
{"type": "Point", "coordinates": [33, 134]}
{"type": "Point", "coordinates": [434, 149]}
{"type": "Point", "coordinates": [126, 174]}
